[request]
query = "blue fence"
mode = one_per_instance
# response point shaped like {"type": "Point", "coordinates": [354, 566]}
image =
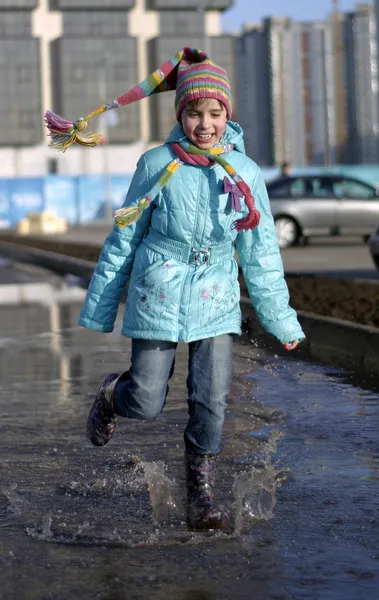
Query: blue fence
{"type": "Point", "coordinates": [78, 199]}
{"type": "Point", "coordinates": [82, 199]}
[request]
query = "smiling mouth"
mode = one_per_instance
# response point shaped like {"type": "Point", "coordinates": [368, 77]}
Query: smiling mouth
{"type": "Point", "coordinates": [204, 137]}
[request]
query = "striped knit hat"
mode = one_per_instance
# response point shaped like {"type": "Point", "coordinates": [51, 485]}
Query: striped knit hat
{"type": "Point", "coordinates": [190, 72]}
{"type": "Point", "coordinates": [199, 77]}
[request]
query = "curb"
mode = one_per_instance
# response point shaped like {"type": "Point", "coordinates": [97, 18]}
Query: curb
{"type": "Point", "coordinates": [328, 340]}
{"type": "Point", "coordinates": [59, 263]}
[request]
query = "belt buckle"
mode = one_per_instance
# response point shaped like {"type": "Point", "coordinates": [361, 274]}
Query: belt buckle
{"type": "Point", "coordinates": [200, 253]}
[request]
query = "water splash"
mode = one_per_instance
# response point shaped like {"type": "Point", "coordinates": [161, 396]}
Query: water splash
{"type": "Point", "coordinates": [46, 527]}
{"type": "Point", "coordinates": [162, 491]}
{"type": "Point", "coordinates": [255, 490]}
{"type": "Point", "coordinates": [17, 504]}
{"type": "Point", "coordinates": [81, 528]}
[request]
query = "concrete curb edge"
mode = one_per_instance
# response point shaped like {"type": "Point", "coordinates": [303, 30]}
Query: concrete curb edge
{"type": "Point", "coordinates": [59, 263]}
{"type": "Point", "coordinates": [328, 340]}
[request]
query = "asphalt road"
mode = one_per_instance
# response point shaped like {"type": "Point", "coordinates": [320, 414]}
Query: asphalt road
{"type": "Point", "coordinates": [348, 257]}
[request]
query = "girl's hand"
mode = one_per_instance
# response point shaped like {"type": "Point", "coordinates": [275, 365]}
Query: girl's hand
{"type": "Point", "coordinates": [291, 345]}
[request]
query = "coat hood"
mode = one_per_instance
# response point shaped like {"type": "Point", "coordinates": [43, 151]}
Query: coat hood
{"type": "Point", "coordinates": [233, 135]}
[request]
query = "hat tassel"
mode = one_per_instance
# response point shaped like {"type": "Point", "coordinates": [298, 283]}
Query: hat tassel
{"type": "Point", "coordinates": [64, 133]}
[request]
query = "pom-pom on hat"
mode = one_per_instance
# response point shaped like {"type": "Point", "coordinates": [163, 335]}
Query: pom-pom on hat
{"type": "Point", "coordinates": [190, 72]}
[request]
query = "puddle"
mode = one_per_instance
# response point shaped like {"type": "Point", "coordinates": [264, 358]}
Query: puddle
{"type": "Point", "coordinates": [298, 472]}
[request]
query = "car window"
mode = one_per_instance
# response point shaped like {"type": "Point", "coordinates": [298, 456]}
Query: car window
{"type": "Point", "coordinates": [289, 188]}
{"type": "Point", "coordinates": [319, 187]}
{"type": "Point", "coordinates": [349, 188]}
{"type": "Point", "coordinates": [282, 189]}
{"type": "Point", "coordinates": [297, 187]}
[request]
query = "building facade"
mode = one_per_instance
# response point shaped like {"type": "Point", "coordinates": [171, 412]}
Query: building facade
{"type": "Point", "coordinates": [362, 99]}
{"type": "Point", "coordinates": [254, 94]}
{"type": "Point", "coordinates": [310, 90]}
{"type": "Point", "coordinates": [20, 71]}
{"type": "Point", "coordinates": [306, 93]}
{"type": "Point", "coordinates": [287, 106]}
{"type": "Point", "coordinates": [317, 93]}
{"type": "Point", "coordinates": [70, 56]}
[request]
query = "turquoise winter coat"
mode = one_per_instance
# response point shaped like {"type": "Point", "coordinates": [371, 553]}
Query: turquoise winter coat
{"type": "Point", "coordinates": [171, 297]}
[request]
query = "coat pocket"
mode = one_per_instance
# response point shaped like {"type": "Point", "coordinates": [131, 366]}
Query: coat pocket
{"type": "Point", "coordinates": [146, 260]}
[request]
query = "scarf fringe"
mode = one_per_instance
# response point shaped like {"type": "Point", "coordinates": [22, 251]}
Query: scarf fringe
{"type": "Point", "coordinates": [251, 221]}
{"type": "Point", "coordinates": [126, 216]}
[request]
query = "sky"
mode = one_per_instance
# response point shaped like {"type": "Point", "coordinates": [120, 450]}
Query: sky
{"type": "Point", "coordinates": [253, 11]}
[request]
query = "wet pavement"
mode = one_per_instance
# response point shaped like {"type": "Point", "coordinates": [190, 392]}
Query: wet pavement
{"type": "Point", "coordinates": [298, 470]}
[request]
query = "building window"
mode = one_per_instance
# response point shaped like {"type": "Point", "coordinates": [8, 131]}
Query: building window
{"type": "Point", "coordinates": [23, 74]}
{"type": "Point", "coordinates": [96, 29]}
{"type": "Point", "coordinates": [78, 73]}
{"type": "Point", "coordinates": [182, 22]}
{"type": "Point", "coordinates": [26, 119]}
{"type": "Point", "coordinates": [52, 166]}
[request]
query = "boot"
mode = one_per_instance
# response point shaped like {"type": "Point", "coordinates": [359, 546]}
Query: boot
{"type": "Point", "coordinates": [102, 418]}
{"type": "Point", "coordinates": [202, 512]}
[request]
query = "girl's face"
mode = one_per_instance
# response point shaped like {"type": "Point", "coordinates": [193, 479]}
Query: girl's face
{"type": "Point", "coordinates": [204, 122]}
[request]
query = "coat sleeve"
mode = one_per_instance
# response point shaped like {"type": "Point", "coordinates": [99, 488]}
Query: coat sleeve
{"type": "Point", "coordinates": [262, 268]}
{"type": "Point", "coordinates": [115, 262]}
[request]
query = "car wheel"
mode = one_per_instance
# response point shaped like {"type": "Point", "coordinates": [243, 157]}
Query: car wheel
{"type": "Point", "coordinates": [287, 230]}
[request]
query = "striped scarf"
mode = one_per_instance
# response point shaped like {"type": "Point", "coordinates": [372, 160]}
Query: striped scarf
{"type": "Point", "coordinates": [192, 155]}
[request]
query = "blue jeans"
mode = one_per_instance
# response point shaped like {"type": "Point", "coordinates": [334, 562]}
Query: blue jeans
{"type": "Point", "coordinates": [143, 396]}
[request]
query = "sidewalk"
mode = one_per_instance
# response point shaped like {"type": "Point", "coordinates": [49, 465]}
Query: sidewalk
{"type": "Point", "coordinates": [91, 233]}
{"type": "Point", "coordinates": [332, 257]}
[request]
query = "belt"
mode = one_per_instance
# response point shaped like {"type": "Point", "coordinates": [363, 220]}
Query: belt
{"type": "Point", "coordinates": [187, 253]}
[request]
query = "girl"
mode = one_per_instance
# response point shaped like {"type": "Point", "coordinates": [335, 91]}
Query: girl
{"type": "Point", "coordinates": [190, 202]}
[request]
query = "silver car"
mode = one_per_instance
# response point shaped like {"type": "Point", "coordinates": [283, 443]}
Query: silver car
{"type": "Point", "coordinates": [320, 205]}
